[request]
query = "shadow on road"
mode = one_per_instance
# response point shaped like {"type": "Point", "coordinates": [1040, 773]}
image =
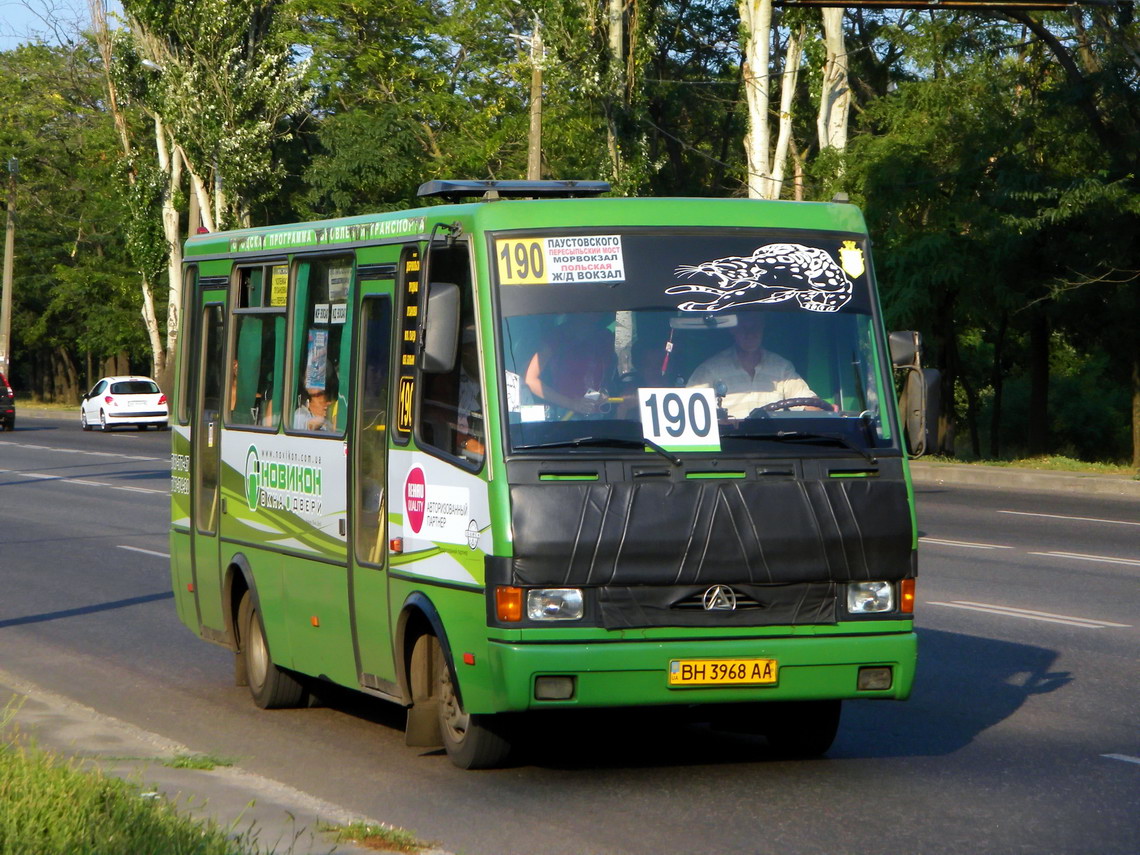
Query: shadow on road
{"type": "Point", "coordinates": [31, 426]}
{"type": "Point", "coordinates": [965, 685]}
{"type": "Point", "coordinates": [86, 610]}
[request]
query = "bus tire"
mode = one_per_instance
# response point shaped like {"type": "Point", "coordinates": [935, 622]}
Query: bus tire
{"type": "Point", "coordinates": [472, 741]}
{"type": "Point", "coordinates": [271, 687]}
{"type": "Point", "coordinates": [801, 729]}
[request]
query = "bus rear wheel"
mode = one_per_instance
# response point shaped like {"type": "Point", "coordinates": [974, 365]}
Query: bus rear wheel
{"type": "Point", "coordinates": [271, 687]}
{"type": "Point", "coordinates": [472, 741]}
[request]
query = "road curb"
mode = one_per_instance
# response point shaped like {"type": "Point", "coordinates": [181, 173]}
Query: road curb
{"type": "Point", "coordinates": [1011, 478]}
{"type": "Point", "coordinates": [275, 816]}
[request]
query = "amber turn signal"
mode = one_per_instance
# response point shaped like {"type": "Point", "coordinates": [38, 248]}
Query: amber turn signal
{"type": "Point", "coordinates": [906, 596]}
{"type": "Point", "coordinates": [508, 604]}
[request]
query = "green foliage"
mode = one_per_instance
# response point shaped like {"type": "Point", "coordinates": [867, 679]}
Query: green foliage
{"type": "Point", "coordinates": [996, 215]}
{"type": "Point", "coordinates": [74, 284]}
{"type": "Point", "coordinates": [204, 762]}
{"type": "Point", "coordinates": [223, 79]}
{"type": "Point", "coordinates": [55, 807]}
{"type": "Point", "coordinates": [380, 837]}
{"type": "Point", "coordinates": [994, 158]}
{"type": "Point", "coordinates": [145, 240]}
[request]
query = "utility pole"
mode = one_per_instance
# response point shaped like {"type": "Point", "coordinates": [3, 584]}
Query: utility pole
{"type": "Point", "coordinates": [534, 144]}
{"type": "Point", "coordinates": [534, 138]}
{"type": "Point", "coordinates": [9, 252]}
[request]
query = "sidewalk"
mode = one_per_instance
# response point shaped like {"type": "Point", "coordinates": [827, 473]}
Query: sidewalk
{"type": "Point", "coordinates": [276, 817]}
{"type": "Point", "coordinates": [1012, 478]}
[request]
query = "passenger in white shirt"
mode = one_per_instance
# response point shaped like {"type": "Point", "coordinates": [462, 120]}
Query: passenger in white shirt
{"type": "Point", "coordinates": [752, 375]}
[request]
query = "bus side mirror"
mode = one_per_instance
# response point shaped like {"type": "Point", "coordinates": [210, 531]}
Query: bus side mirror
{"type": "Point", "coordinates": [440, 334]}
{"type": "Point", "coordinates": [906, 347]}
{"type": "Point", "coordinates": [921, 393]}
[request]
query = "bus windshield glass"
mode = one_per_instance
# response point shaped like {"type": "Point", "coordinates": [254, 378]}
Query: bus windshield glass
{"type": "Point", "coordinates": [744, 341]}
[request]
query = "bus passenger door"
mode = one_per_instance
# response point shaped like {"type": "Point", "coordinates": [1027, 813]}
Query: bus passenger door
{"type": "Point", "coordinates": [368, 502]}
{"type": "Point", "coordinates": [206, 436]}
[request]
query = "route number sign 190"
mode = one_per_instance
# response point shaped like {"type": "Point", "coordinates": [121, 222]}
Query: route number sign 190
{"type": "Point", "coordinates": [680, 419]}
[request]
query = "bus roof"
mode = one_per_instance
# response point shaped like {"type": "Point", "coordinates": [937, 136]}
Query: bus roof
{"type": "Point", "coordinates": [510, 214]}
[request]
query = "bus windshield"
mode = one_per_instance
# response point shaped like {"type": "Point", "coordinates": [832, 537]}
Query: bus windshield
{"type": "Point", "coordinates": [624, 336]}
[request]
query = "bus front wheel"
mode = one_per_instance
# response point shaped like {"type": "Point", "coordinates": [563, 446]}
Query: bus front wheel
{"type": "Point", "coordinates": [472, 741]}
{"type": "Point", "coordinates": [800, 729]}
{"type": "Point", "coordinates": [271, 687]}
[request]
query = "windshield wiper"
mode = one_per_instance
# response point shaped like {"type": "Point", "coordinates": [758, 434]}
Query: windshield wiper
{"type": "Point", "coordinates": [808, 437]}
{"type": "Point", "coordinates": [620, 441]}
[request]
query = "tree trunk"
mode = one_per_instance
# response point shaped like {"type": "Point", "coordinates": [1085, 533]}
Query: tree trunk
{"type": "Point", "coordinates": [765, 166]}
{"type": "Point", "coordinates": [756, 23]}
{"type": "Point", "coordinates": [66, 377]}
{"type": "Point", "coordinates": [103, 39]}
{"type": "Point", "coordinates": [1038, 433]}
{"type": "Point", "coordinates": [205, 202]}
{"type": "Point", "coordinates": [787, 93]}
{"type": "Point", "coordinates": [947, 413]}
{"type": "Point", "coordinates": [835, 98]}
{"type": "Point", "coordinates": [997, 381]}
{"type": "Point", "coordinates": [171, 165]}
{"type": "Point", "coordinates": [1136, 412]}
{"type": "Point", "coordinates": [972, 416]}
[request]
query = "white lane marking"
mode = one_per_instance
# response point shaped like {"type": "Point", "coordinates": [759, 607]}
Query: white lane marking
{"type": "Point", "coordinates": [1124, 757]}
{"type": "Point", "coordinates": [44, 477]}
{"type": "Point", "coordinates": [82, 451]}
{"type": "Point", "coordinates": [145, 551]}
{"type": "Point", "coordinates": [1105, 559]}
{"type": "Point", "coordinates": [965, 544]}
{"type": "Point", "coordinates": [1063, 517]}
{"type": "Point", "coordinates": [1028, 614]}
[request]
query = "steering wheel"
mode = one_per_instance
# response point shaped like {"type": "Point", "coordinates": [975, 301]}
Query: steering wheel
{"type": "Point", "coordinates": [788, 403]}
{"type": "Point", "coordinates": [630, 378]}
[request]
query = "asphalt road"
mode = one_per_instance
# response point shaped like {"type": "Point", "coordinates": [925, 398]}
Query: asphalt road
{"type": "Point", "coordinates": [1022, 734]}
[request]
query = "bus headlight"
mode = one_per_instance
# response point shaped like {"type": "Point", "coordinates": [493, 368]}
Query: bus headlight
{"type": "Point", "coordinates": [554, 604]}
{"type": "Point", "coordinates": [865, 598]}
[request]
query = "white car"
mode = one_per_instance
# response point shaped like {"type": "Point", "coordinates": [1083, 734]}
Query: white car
{"type": "Point", "coordinates": [124, 401]}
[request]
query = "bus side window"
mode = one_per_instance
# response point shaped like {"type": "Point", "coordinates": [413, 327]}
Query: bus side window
{"type": "Point", "coordinates": [371, 447]}
{"type": "Point", "coordinates": [451, 405]}
{"type": "Point", "coordinates": [317, 404]}
{"type": "Point", "coordinates": [259, 333]}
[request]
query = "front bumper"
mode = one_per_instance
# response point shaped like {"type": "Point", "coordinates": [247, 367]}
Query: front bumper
{"type": "Point", "coordinates": [634, 673]}
{"type": "Point", "coordinates": [137, 417]}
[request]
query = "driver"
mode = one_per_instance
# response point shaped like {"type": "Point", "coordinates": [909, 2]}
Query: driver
{"type": "Point", "coordinates": [751, 375]}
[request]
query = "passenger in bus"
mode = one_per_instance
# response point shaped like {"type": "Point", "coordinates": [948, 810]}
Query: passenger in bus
{"type": "Point", "coordinates": [575, 364]}
{"type": "Point", "coordinates": [647, 361]}
{"type": "Point", "coordinates": [469, 412]}
{"type": "Point", "coordinates": [313, 413]}
{"type": "Point", "coordinates": [750, 375]}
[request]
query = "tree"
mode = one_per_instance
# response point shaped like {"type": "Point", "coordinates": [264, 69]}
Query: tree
{"type": "Point", "coordinates": [766, 164]}
{"type": "Point", "coordinates": [991, 195]}
{"type": "Point", "coordinates": [74, 296]}
{"type": "Point", "coordinates": [220, 82]}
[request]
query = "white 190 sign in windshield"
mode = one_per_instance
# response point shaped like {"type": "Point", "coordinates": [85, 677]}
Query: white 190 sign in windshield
{"type": "Point", "coordinates": [680, 419]}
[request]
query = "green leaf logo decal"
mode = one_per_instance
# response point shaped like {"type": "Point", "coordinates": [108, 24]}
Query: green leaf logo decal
{"type": "Point", "coordinates": [252, 477]}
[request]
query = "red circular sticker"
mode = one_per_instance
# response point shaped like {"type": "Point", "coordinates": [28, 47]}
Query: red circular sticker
{"type": "Point", "coordinates": [414, 492]}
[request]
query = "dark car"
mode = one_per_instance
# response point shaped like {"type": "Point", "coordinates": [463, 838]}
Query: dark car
{"type": "Point", "coordinates": [7, 405]}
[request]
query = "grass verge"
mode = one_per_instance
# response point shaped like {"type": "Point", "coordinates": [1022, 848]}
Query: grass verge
{"type": "Point", "coordinates": [1048, 463]}
{"type": "Point", "coordinates": [56, 806]}
{"type": "Point", "coordinates": [205, 762]}
{"type": "Point", "coordinates": [383, 838]}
